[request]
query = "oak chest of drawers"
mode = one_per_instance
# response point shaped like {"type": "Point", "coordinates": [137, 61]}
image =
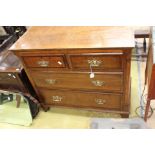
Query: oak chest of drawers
{"type": "Point", "coordinates": [80, 67]}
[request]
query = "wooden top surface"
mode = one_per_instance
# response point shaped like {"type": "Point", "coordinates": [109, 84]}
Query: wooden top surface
{"type": "Point", "coordinates": [71, 37]}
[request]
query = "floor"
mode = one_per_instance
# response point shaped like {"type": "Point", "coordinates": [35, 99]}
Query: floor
{"type": "Point", "coordinates": [9, 113]}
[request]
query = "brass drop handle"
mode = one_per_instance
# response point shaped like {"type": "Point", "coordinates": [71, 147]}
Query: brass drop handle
{"type": "Point", "coordinates": [100, 101]}
{"type": "Point", "coordinates": [56, 98]}
{"type": "Point", "coordinates": [94, 62]}
{"type": "Point", "coordinates": [98, 83]}
{"type": "Point", "coordinates": [50, 81]}
{"type": "Point", "coordinates": [43, 63]}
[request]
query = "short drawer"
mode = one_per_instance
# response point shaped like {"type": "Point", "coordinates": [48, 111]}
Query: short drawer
{"type": "Point", "coordinates": [10, 81]}
{"type": "Point", "coordinates": [8, 78]}
{"type": "Point", "coordinates": [44, 61]}
{"type": "Point", "coordinates": [104, 82]}
{"type": "Point", "coordinates": [82, 99]}
{"type": "Point", "coordinates": [106, 61]}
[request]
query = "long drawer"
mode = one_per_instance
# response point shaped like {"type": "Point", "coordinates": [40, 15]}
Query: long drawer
{"type": "Point", "coordinates": [101, 81]}
{"type": "Point", "coordinates": [81, 99]}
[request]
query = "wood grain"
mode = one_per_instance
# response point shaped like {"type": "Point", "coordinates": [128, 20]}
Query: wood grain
{"type": "Point", "coordinates": [74, 37]}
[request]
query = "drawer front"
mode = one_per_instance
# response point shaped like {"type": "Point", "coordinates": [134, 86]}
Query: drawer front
{"type": "Point", "coordinates": [43, 62]}
{"type": "Point", "coordinates": [106, 82]}
{"type": "Point", "coordinates": [8, 78]}
{"type": "Point", "coordinates": [9, 81]}
{"type": "Point", "coordinates": [81, 99]}
{"type": "Point", "coordinates": [108, 62]}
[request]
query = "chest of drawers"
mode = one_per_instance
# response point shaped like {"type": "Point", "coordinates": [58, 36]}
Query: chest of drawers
{"type": "Point", "coordinates": [80, 67]}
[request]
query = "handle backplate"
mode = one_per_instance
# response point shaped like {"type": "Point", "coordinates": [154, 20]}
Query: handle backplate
{"type": "Point", "coordinates": [57, 98]}
{"type": "Point", "coordinates": [98, 83]}
{"type": "Point", "coordinates": [94, 62]}
{"type": "Point", "coordinates": [100, 101]}
{"type": "Point", "coordinates": [43, 63]}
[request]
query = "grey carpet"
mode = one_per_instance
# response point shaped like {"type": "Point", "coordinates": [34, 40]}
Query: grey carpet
{"type": "Point", "coordinates": [122, 123]}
